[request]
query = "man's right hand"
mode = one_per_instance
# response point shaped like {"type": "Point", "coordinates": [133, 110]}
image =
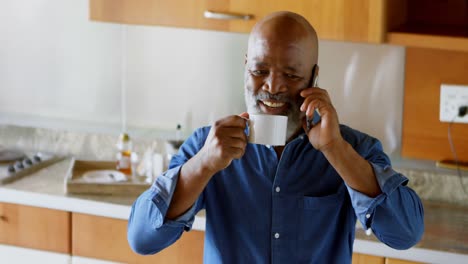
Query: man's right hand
{"type": "Point", "coordinates": [225, 142]}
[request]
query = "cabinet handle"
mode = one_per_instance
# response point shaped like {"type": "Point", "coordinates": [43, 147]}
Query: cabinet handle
{"type": "Point", "coordinates": [3, 218]}
{"type": "Point", "coordinates": [226, 16]}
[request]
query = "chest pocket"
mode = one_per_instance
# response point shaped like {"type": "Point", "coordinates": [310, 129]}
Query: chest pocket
{"type": "Point", "coordinates": [322, 229]}
{"type": "Point", "coordinates": [322, 202]}
{"type": "Point", "coordinates": [318, 216]}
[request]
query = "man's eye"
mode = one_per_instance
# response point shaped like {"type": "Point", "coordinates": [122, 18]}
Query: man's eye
{"type": "Point", "coordinates": [293, 77]}
{"type": "Point", "coordinates": [259, 72]}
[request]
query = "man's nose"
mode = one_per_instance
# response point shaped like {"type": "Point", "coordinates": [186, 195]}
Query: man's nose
{"type": "Point", "coordinates": [274, 84]}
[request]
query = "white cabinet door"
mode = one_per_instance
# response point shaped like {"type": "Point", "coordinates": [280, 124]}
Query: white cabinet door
{"type": "Point", "coordinates": [19, 255]}
{"type": "Point", "coordinates": [83, 260]}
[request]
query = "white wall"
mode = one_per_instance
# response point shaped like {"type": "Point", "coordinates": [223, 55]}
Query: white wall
{"type": "Point", "coordinates": [174, 72]}
{"type": "Point", "coordinates": [55, 63]}
{"type": "Point", "coordinates": [366, 86]}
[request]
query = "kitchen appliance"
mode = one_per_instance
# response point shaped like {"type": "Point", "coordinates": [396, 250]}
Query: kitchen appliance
{"type": "Point", "coordinates": [15, 164]}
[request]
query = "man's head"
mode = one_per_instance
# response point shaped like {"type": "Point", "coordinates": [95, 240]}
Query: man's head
{"type": "Point", "coordinates": [282, 52]}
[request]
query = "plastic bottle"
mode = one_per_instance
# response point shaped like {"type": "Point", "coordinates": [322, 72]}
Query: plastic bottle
{"type": "Point", "coordinates": [124, 163]}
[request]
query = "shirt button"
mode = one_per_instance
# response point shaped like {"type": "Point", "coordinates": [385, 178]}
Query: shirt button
{"type": "Point", "coordinates": [277, 189]}
{"type": "Point", "coordinates": [367, 216]}
{"type": "Point", "coordinates": [276, 235]}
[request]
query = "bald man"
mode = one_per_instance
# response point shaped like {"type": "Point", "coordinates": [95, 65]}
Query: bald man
{"type": "Point", "coordinates": [296, 203]}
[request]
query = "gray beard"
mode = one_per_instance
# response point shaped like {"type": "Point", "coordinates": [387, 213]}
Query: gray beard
{"type": "Point", "coordinates": [294, 115]}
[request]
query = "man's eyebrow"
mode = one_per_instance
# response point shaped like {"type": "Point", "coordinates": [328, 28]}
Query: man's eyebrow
{"type": "Point", "coordinates": [260, 63]}
{"type": "Point", "coordinates": [291, 68]}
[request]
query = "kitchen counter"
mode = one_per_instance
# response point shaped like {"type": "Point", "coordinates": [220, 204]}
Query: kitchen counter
{"type": "Point", "coordinates": [446, 226]}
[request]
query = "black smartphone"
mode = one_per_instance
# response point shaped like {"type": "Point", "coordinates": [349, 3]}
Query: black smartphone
{"type": "Point", "coordinates": [316, 118]}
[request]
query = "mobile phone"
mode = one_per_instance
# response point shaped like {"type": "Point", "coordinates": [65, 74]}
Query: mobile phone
{"type": "Point", "coordinates": [316, 118]}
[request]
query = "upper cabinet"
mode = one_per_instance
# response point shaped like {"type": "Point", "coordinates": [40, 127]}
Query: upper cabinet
{"type": "Point", "coordinates": [357, 20]}
{"type": "Point", "coordinates": [435, 24]}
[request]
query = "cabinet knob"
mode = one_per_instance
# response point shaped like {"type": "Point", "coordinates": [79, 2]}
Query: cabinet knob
{"type": "Point", "coordinates": [3, 218]}
{"type": "Point", "coordinates": [226, 15]}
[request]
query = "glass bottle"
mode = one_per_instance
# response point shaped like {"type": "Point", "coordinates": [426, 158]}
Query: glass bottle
{"type": "Point", "coordinates": [124, 163]}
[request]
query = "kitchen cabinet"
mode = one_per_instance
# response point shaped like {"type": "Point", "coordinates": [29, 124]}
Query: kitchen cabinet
{"type": "Point", "coordinates": [428, 24]}
{"type": "Point", "coordinates": [359, 258]}
{"type": "Point", "coordinates": [357, 20]}
{"type": "Point", "coordinates": [106, 238]}
{"type": "Point", "coordinates": [424, 136]}
{"type": "Point", "coordinates": [30, 233]}
{"type": "Point", "coordinates": [399, 261]}
{"type": "Point", "coordinates": [35, 228]}
{"type": "Point", "coordinates": [436, 34]}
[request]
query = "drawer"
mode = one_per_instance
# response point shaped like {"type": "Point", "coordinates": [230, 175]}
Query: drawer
{"type": "Point", "coordinates": [34, 227]}
{"type": "Point", "coordinates": [106, 238]}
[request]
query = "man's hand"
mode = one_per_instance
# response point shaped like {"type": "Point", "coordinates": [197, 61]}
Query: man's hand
{"type": "Point", "coordinates": [225, 142]}
{"type": "Point", "coordinates": [325, 134]}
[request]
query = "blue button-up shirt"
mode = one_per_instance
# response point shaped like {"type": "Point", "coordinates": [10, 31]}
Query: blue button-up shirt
{"type": "Point", "coordinates": [293, 210]}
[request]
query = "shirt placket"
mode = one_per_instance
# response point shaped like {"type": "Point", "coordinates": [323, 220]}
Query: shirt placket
{"type": "Point", "coordinates": [277, 227]}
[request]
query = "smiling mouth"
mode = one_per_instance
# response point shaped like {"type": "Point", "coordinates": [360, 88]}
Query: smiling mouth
{"type": "Point", "coordinates": [273, 107]}
{"type": "Point", "coordinates": [273, 104]}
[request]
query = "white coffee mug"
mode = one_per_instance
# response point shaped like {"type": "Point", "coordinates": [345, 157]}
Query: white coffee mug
{"type": "Point", "coordinates": [267, 129]}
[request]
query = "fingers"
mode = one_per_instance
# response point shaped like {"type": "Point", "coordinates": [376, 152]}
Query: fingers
{"type": "Point", "coordinates": [315, 104]}
{"type": "Point", "coordinates": [309, 99]}
{"type": "Point", "coordinates": [231, 136]}
{"type": "Point", "coordinates": [313, 90]}
{"type": "Point", "coordinates": [229, 147]}
{"type": "Point", "coordinates": [227, 139]}
{"type": "Point", "coordinates": [316, 99]}
{"type": "Point", "coordinates": [316, 92]}
{"type": "Point", "coordinates": [244, 115]}
{"type": "Point", "coordinates": [232, 121]}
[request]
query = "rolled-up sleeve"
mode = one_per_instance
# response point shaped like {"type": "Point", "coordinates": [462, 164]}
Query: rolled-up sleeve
{"type": "Point", "coordinates": [396, 216]}
{"type": "Point", "coordinates": [364, 205]}
{"type": "Point", "coordinates": [148, 229]}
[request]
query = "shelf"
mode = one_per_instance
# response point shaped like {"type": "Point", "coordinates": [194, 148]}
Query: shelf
{"type": "Point", "coordinates": [428, 41]}
{"type": "Point", "coordinates": [435, 37]}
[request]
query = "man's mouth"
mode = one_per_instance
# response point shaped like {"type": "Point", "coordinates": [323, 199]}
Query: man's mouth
{"type": "Point", "coordinates": [273, 107]}
{"type": "Point", "coordinates": [273, 104]}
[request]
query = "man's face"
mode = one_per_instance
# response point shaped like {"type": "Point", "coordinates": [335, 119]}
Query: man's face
{"type": "Point", "coordinates": [275, 73]}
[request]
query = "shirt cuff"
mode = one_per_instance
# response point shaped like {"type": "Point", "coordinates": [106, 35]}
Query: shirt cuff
{"type": "Point", "coordinates": [161, 193]}
{"type": "Point", "coordinates": [186, 220]}
{"type": "Point", "coordinates": [364, 206]}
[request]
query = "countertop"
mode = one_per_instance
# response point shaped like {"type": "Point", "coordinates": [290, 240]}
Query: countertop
{"type": "Point", "coordinates": [446, 226]}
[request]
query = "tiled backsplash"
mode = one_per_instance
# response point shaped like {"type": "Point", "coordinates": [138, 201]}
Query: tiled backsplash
{"type": "Point", "coordinates": [92, 146]}
{"type": "Point", "coordinates": [433, 185]}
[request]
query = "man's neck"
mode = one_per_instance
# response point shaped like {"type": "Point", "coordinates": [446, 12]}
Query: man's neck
{"type": "Point", "coordinates": [279, 149]}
